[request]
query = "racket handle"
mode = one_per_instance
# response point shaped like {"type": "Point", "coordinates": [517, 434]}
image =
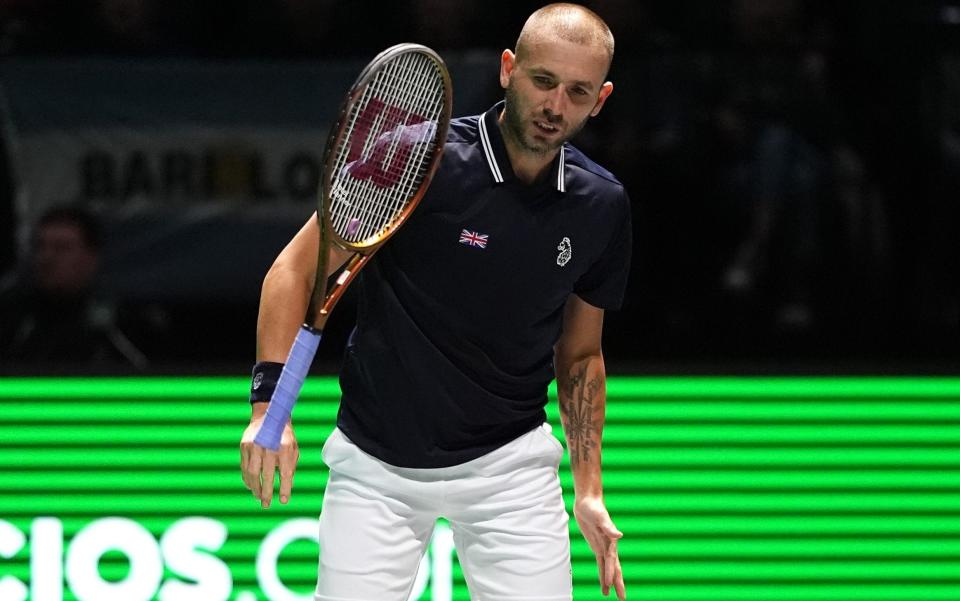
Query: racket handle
{"type": "Point", "coordinates": [288, 388]}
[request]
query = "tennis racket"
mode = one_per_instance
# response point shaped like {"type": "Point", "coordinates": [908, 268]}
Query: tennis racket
{"type": "Point", "coordinates": [380, 156]}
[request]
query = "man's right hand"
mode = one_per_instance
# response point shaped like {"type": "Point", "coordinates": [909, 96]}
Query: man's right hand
{"type": "Point", "coordinates": [259, 465]}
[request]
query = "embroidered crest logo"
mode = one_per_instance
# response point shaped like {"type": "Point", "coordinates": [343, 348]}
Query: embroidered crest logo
{"type": "Point", "coordinates": [257, 381]}
{"type": "Point", "coordinates": [566, 251]}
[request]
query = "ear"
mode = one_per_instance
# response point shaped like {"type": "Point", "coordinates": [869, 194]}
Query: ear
{"type": "Point", "coordinates": [507, 61]}
{"type": "Point", "coordinates": [605, 91]}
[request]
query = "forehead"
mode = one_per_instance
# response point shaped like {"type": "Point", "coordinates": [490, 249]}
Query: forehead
{"type": "Point", "coordinates": [567, 60]}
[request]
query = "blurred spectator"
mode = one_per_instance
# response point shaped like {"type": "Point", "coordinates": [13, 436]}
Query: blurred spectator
{"type": "Point", "coordinates": [778, 185]}
{"type": "Point", "coordinates": [856, 262]}
{"type": "Point", "coordinates": [777, 127]}
{"type": "Point", "coordinates": [50, 315]}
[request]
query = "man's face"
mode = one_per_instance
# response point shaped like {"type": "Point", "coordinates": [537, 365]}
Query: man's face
{"type": "Point", "coordinates": [62, 261]}
{"type": "Point", "coordinates": [551, 92]}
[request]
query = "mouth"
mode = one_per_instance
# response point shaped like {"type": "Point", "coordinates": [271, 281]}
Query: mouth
{"type": "Point", "coordinates": [545, 128]}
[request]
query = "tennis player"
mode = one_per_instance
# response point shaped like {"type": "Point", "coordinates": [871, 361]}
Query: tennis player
{"type": "Point", "coordinates": [497, 283]}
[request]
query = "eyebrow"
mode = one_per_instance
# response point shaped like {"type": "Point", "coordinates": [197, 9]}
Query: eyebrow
{"type": "Point", "coordinates": [544, 71]}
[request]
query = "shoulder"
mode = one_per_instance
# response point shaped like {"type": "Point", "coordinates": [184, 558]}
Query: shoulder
{"type": "Point", "coordinates": [462, 152]}
{"type": "Point", "coordinates": [464, 130]}
{"type": "Point", "coordinates": [588, 182]}
{"type": "Point", "coordinates": [461, 165]}
{"type": "Point", "coordinates": [589, 173]}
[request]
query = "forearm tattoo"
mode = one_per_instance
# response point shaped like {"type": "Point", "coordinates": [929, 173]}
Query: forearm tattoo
{"type": "Point", "coordinates": [577, 396]}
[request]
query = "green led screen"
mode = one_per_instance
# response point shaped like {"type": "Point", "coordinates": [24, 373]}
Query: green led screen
{"type": "Point", "coordinates": [727, 489]}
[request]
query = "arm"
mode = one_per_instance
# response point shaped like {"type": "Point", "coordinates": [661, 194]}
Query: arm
{"type": "Point", "coordinates": [581, 390]}
{"type": "Point", "coordinates": [286, 291]}
{"type": "Point", "coordinates": [283, 305]}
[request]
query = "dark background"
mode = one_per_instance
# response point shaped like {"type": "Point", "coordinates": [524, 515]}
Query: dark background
{"type": "Point", "coordinates": [794, 166]}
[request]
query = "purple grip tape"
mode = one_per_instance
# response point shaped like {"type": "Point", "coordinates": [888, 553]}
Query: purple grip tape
{"type": "Point", "coordinates": [288, 388]}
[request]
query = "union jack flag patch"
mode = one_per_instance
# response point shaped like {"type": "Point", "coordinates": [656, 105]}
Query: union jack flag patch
{"type": "Point", "coordinates": [473, 238]}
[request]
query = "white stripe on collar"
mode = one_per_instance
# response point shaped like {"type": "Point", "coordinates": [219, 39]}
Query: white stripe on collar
{"type": "Point", "coordinates": [488, 150]}
{"type": "Point", "coordinates": [561, 185]}
{"type": "Point", "coordinates": [495, 167]}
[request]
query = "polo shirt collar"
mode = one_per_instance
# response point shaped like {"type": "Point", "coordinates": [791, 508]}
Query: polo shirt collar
{"type": "Point", "coordinates": [494, 150]}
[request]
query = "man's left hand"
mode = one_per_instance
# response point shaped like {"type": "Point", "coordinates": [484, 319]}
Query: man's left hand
{"type": "Point", "coordinates": [602, 536]}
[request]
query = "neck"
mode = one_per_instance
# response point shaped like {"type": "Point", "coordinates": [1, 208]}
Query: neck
{"type": "Point", "coordinates": [527, 165]}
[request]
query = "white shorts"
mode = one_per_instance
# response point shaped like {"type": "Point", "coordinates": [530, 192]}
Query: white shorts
{"type": "Point", "coordinates": [505, 509]}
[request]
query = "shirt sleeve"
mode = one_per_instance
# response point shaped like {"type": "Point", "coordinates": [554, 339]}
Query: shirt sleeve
{"type": "Point", "coordinates": [604, 284]}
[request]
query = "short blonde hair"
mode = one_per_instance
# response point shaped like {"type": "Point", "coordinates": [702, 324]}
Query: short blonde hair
{"type": "Point", "coordinates": [570, 22]}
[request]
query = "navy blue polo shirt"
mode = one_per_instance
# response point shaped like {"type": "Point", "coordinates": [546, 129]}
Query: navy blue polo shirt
{"type": "Point", "coordinates": [459, 312]}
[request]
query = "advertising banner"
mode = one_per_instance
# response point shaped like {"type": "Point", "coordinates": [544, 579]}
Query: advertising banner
{"type": "Point", "coordinates": [726, 489]}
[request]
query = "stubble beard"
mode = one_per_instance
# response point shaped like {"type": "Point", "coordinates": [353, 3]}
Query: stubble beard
{"type": "Point", "coordinates": [515, 127]}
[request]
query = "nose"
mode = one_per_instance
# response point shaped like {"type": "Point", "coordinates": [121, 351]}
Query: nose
{"type": "Point", "coordinates": [555, 104]}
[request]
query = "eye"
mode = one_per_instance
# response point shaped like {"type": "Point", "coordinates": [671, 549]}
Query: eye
{"type": "Point", "coordinates": [542, 80]}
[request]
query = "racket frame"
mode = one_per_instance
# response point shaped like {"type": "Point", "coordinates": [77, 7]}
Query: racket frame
{"type": "Point", "coordinates": [322, 299]}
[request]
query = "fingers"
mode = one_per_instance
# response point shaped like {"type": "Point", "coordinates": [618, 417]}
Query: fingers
{"type": "Point", "coordinates": [618, 584]}
{"type": "Point", "coordinates": [601, 569]}
{"type": "Point", "coordinates": [244, 461]}
{"type": "Point", "coordinates": [286, 486]}
{"type": "Point", "coordinates": [608, 529]}
{"type": "Point", "coordinates": [611, 532]}
{"type": "Point", "coordinates": [288, 465]}
{"type": "Point", "coordinates": [259, 466]}
{"type": "Point", "coordinates": [603, 536]}
{"type": "Point", "coordinates": [289, 454]}
{"type": "Point", "coordinates": [600, 545]}
{"type": "Point", "coordinates": [251, 472]}
{"type": "Point", "coordinates": [608, 567]}
{"type": "Point", "coordinates": [248, 450]}
{"type": "Point", "coordinates": [269, 473]}
{"type": "Point", "coordinates": [613, 572]}
{"type": "Point", "coordinates": [610, 564]}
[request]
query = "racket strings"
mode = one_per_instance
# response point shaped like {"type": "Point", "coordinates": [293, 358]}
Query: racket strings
{"type": "Point", "coordinates": [377, 208]}
{"type": "Point", "coordinates": [393, 124]}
